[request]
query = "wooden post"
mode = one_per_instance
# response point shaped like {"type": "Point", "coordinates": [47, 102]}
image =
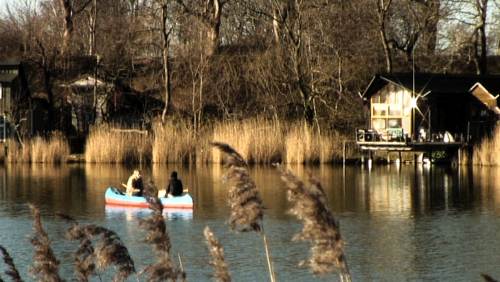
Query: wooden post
{"type": "Point", "coordinates": [343, 152]}
{"type": "Point", "coordinates": [400, 157]}
{"type": "Point", "coordinates": [459, 161]}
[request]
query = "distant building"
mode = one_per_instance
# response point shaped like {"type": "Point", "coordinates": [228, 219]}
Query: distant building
{"type": "Point", "coordinates": [14, 97]}
{"type": "Point", "coordinates": [89, 101]}
{"type": "Point", "coordinates": [427, 107]}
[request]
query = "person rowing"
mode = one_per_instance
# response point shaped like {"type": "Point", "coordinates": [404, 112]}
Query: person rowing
{"type": "Point", "coordinates": [174, 187]}
{"type": "Point", "coordinates": [134, 186]}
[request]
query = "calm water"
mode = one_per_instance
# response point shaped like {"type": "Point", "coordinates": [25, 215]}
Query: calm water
{"type": "Point", "coordinates": [404, 224]}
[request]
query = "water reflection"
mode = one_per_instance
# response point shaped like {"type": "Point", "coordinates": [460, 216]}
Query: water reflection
{"type": "Point", "coordinates": [434, 223]}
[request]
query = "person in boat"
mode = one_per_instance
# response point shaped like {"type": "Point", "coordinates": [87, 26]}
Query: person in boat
{"type": "Point", "coordinates": [174, 187]}
{"type": "Point", "coordinates": [135, 187]}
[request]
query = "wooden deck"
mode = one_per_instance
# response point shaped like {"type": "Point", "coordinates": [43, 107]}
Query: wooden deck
{"type": "Point", "coordinates": [409, 146]}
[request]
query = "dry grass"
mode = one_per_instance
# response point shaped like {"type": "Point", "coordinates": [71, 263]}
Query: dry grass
{"type": "Point", "coordinates": [304, 145]}
{"type": "Point", "coordinates": [106, 145]}
{"type": "Point", "coordinates": [258, 140]}
{"type": "Point", "coordinates": [488, 152]}
{"type": "Point", "coordinates": [52, 149]}
{"type": "Point", "coordinates": [319, 226]}
{"type": "Point", "coordinates": [174, 143]}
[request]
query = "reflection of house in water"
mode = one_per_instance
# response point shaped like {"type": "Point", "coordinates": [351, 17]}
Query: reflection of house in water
{"type": "Point", "coordinates": [425, 112]}
{"type": "Point", "coordinates": [89, 102]}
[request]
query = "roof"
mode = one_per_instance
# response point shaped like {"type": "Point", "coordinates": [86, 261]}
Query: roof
{"type": "Point", "coordinates": [10, 63]}
{"type": "Point", "coordinates": [7, 77]}
{"type": "Point", "coordinates": [436, 83]}
{"type": "Point", "coordinates": [483, 95]}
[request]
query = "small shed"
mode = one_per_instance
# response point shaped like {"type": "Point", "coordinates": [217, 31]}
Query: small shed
{"type": "Point", "coordinates": [89, 101]}
{"type": "Point", "coordinates": [427, 106]}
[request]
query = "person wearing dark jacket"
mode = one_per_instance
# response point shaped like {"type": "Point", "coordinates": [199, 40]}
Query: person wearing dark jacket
{"type": "Point", "coordinates": [174, 187]}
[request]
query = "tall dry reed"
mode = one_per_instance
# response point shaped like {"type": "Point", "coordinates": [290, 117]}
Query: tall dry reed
{"type": "Point", "coordinates": [488, 152]}
{"type": "Point", "coordinates": [109, 250]}
{"type": "Point", "coordinates": [319, 225]}
{"type": "Point", "coordinates": [84, 256]}
{"type": "Point", "coordinates": [305, 145]}
{"type": "Point", "coordinates": [11, 269]}
{"type": "Point", "coordinates": [217, 253]}
{"type": "Point", "coordinates": [174, 143]}
{"type": "Point", "coordinates": [51, 149]}
{"type": "Point", "coordinates": [157, 236]}
{"type": "Point", "coordinates": [107, 144]}
{"type": "Point", "coordinates": [258, 140]}
{"type": "Point", "coordinates": [244, 199]}
{"type": "Point", "coordinates": [45, 264]}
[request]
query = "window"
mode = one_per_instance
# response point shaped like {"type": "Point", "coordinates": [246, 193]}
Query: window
{"type": "Point", "coordinates": [394, 123]}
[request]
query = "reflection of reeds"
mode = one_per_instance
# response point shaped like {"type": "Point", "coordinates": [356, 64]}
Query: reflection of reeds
{"type": "Point", "coordinates": [217, 252]}
{"type": "Point", "coordinates": [164, 268]}
{"type": "Point", "coordinates": [11, 270]}
{"type": "Point", "coordinates": [320, 227]}
{"type": "Point", "coordinates": [45, 264]}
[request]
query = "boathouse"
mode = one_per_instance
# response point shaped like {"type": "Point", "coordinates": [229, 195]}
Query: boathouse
{"type": "Point", "coordinates": [426, 111]}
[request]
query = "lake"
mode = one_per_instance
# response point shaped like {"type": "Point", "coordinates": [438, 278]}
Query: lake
{"type": "Point", "coordinates": [400, 223]}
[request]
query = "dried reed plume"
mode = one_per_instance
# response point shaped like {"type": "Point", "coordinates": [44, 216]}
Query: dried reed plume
{"type": "Point", "coordinates": [244, 199]}
{"type": "Point", "coordinates": [109, 250]}
{"type": "Point", "coordinates": [11, 270]}
{"type": "Point", "coordinates": [45, 264]}
{"type": "Point", "coordinates": [320, 227]}
{"type": "Point", "coordinates": [164, 268]}
{"type": "Point", "coordinates": [488, 278]}
{"type": "Point", "coordinates": [217, 252]}
{"type": "Point", "coordinates": [84, 256]}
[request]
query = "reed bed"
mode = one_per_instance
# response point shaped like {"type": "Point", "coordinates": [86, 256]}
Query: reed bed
{"type": "Point", "coordinates": [305, 145]}
{"type": "Point", "coordinates": [257, 140]}
{"type": "Point", "coordinates": [51, 149]}
{"type": "Point", "coordinates": [174, 143]}
{"type": "Point", "coordinates": [488, 152]}
{"type": "Point", "coordinates": [106, 144]}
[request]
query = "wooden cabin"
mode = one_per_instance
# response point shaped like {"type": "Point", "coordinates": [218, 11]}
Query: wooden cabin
{"type": "Point", "coordinates": [13, 90]}
{"type": "Point", "coordinates": [426, 107]}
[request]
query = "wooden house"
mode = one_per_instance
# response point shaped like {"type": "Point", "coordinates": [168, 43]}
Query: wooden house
{"type": "Point", "coordinates": [13, 91]}
{"type": "Point", "coordinates": [426, 107]}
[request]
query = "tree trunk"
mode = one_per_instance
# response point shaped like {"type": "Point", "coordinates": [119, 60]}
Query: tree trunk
{"type": "Point", "coordinates": [166, 67]}
{"type": "Point", "coordinates": [383, 8]}
{"type": "Point", "coordinates": [68, 24]}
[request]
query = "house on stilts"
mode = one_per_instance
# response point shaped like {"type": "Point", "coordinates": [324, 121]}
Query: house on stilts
{"type": "Point", "coordinates": [426, 112]}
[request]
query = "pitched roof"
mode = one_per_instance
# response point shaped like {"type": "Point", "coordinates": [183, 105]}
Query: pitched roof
{"type": "Point", "coordinates": [436, 83]}
{"type": "Point", "coordinates": [7, 77]}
